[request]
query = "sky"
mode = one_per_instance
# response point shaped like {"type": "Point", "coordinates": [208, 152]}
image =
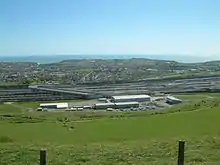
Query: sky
{"type": "Point", "coordinates": [47, 27]}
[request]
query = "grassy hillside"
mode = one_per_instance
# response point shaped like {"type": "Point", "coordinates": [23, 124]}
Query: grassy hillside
{"type": "Point", "coordinates": [113, 139]}
{"type": "Point", "coordinates": [181, 125]}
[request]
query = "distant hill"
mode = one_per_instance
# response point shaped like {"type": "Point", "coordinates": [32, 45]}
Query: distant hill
{"type": "Point", "coordinates": [43, 59]}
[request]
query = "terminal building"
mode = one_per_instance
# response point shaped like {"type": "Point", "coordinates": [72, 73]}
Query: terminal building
{"type": "Point", "coordinates": [103, 106]}
{"type": "Point", "coordinates": [130, 98]}
{"type": "Point", "coordinates": [173, 100]}
{"type": "Point", "coordinates": [54, 106]}
{"type": "Point", "coordinates": [127, 105]}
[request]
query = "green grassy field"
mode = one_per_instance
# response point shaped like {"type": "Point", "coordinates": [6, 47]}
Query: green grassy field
{"type": "Point", "coordinates": [113, 138]}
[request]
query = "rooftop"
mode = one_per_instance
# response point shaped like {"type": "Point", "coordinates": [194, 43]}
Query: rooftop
{"type": "Point", "coordinates": [104, 104]}
{"type": "Point", "coordinates": [126, 103]}
{"type": "Point", "coordinates": [173, 98]}
{"type": "Point", "coordinates": [131, 97]}
{"type": "Point", "coordinates": [59, 105]}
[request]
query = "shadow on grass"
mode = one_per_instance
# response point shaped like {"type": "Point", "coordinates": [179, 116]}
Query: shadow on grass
{"type": "Point", "coordinates": [5, 139]}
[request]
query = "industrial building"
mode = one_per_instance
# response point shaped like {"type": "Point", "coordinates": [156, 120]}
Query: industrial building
{"type": "Point", "coordinates": [116, 105]}
{"type": "Point", "coordinates": [127, 105]}
{"type": "Point", "coordinates": [130, 98]}
{"type": "Point", "coordinates": [173, 100]}
{"type": "Point", "coordinates": [104, 105]}
{"type": "Point", "coordinates": [54, 106]}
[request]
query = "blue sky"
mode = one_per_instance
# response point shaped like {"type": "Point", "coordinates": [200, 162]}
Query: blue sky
{"type": "Point", "coordinates": [45, 27]}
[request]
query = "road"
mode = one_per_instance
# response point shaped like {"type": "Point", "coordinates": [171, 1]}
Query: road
{"type": "Point", "coordinates": [20, 106]}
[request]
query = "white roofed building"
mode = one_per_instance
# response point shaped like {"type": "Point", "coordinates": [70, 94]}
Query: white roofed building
{"type": "Point", "coordinates": [173, 100]}
{"type": "Point", "coordinates": [116, 105]}
{"type": "Point", "coordinates": [54, 105]}
{"type": "Point", "coordinates": [103, 105]}
{"type": "Point", "coordinates": [131, 98]}
{"type": "Point", "coordinates": [127, 105]}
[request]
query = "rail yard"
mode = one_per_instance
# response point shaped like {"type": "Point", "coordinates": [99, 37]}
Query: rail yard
{"type": "Point", "coordinates": [97, 81]}
{"type": "Point", "coordinates": [100, 96]}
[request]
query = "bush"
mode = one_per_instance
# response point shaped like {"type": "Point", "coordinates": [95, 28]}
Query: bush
{"type": "Point", "coordinates": [5, 139]}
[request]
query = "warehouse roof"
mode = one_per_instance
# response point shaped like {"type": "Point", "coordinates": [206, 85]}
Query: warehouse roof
{"type": "Point", "coordinates": [173, 98]}
{"type": "Point", "coordinates": [126, 103]}
{"type": "Point", "coordinates": [103, 104]}
{"type": "Point", "coordinates": [59, 105]}
{"type": "Point", "coordinates": [131, 97]}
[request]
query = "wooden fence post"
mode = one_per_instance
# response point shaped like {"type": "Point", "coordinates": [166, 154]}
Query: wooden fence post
{"type": "Point", "coordinates": [42, 157]}
{"type": "Point", "coordinates": [181, 152]}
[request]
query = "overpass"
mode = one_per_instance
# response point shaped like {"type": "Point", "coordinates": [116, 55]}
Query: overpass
{"type": "Point", "coordinates": [77, 94]}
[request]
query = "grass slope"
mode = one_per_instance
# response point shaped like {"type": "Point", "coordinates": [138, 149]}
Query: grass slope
{"type": "Point", "coordinates": [194, 124]}
{"type": "Point", "coordinates": [151, 139]}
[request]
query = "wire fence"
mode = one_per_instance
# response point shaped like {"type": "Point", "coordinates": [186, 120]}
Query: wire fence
{"type": "Point", "coordinates": [159, 154]}
{"type": "Point", "coordinates": [201, 155]}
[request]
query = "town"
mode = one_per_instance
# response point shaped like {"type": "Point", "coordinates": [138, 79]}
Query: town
{"type": "Point", "coordinates": [90, 71]}
{"type": "Point", "coordinates": [109, 82]}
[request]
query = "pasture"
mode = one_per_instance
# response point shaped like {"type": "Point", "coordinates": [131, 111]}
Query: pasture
{"type": "Point", "coordinates": [112, 138]}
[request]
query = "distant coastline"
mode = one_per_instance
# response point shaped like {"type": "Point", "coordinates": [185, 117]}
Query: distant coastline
{"type": "Point", "coordinates": [58, 58]}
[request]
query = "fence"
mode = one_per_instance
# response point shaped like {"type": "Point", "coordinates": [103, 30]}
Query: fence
{"type": "Point", "coordinates": [180, 158]}
{"type": "Point", "coordinates": [196, 152]}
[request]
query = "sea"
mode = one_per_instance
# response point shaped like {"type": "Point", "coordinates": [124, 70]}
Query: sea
{"type": "Point", "coordinates": [43, 59]}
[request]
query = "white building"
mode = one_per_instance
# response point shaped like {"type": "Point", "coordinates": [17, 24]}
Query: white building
{"type": "Point", "coordinates": [54, 106]}
{"type": "Point", "coordinates": [104, 105]}
{"type": "Point", "coordinates": [173, 100]}
{"type": "Point", "coordinates": [116, 105]}
{"type": "Point", "coordinates": [131, 98]}
{"type": "Point", "coordinates": [127, 105]}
